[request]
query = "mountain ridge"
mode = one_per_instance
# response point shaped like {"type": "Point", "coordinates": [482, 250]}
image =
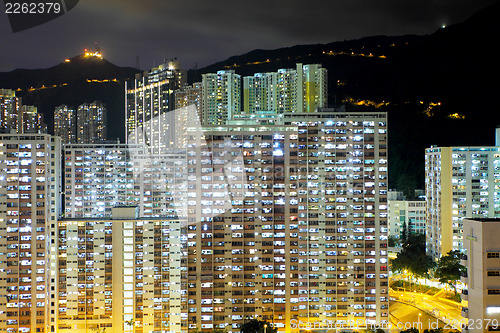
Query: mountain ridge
{"type": "Point", "coordinates": [432, 86]}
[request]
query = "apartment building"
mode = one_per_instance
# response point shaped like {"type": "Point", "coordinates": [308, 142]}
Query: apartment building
{"type": "Point", "coordinates": [409, 213]}
{"type": "Point", "coordinates": [65, 124]}
{"type": "Point", "coordinates": [29, 207]}
{"type": "Point", "coordinates": [460, 182]}
{"type": "Point", "coordinates": [91, 122]}
{"type": "Point", "coordinates": [221, 97]}
{"type": "Point", "coordinates": [288, 223]}
{"type": "Point", "coordinates": [121, 274]}
{"type": "Point", "coordinates": [148, 99]}
{"type": "Point", "coordinates": [99, 177]}
{"type": "Point", "coordinates": [303, 89]}
{"type": "Point", "coordinates": [19, 118]}
{"type": "Point", "coordinates": [482, 260]}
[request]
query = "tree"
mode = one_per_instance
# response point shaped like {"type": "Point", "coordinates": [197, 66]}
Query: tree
{"type": "Point", "coordinates": [392, 241]}
{"type": "Point", "coordinates": [404, 232]}
{"type": "Point", "coordinates": [257, 326]}
{"type": "Point", "coordinates": [374, 330]}
{"type": "Point", "coordinates": [410, 330]}
{"type": "Point", "coordinates": [449, 270]}
{"type": "Point", "coordinates": [413, 258]}
{"type": "Point", "coordinates": [436, 330]}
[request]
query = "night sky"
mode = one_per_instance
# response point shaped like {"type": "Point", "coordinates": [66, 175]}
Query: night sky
{"type": "Point", "coordinates": [201, 32]}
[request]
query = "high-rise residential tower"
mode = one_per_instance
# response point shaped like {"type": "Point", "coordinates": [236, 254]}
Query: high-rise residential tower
{"type": "Point", "coordinates": [189, 95]}
{"type": "Point", "coordinates": [221, 97]}
{"type": "Point", "coordinates": [29, 208]}
{"type": "Point", "coordinates": [303, 89]}
{"type": "Point", "coordinates": [121, 274]}
{"type": "Point", "coordinates": [288, 223]}
{"type": "Point", "coordinates": [460, 182]}
{"type": "Point", "coordinates": [17, 117]}
{"type": "Point", "coordinates": [65, 124]}
{"type": "Point", "coordinates": [99, 177]}
{"type": "Point", "coordinates": [91, 122]}
{"type": "Point", "coordinates": [409, 214]}
{"type": "Point", "coordinates": [148, 99]}
{"type": "Point", "coordinates": [9, 106]}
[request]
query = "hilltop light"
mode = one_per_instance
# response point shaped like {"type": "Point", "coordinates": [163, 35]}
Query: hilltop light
{"type": "Point", "coordinates": [95, 54]}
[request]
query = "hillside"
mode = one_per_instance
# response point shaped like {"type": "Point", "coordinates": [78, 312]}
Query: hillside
{"type": "Point", "coordinates": [73, 82]}
{"type": "Point", "coordinates": [439, 89]}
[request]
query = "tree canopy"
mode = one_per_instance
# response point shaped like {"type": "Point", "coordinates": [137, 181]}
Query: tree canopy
{"type": "Point", "coordinates": [449, 270]}
{"type": "Point", "coordinates": [257, 326]}
{"type": "Point", "coordinates": [413, 258]}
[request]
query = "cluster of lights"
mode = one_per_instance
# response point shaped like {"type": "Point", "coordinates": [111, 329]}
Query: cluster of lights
{"type": "Point", "coordinates": [95, 54]}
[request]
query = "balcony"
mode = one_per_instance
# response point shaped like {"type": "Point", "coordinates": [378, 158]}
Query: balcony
{"type": "Point", "coordinates": [463, 260]}
{"type": "Point", "coordinates": [464, 278]}
{"type": "Point", "coordinates": [465, 295]}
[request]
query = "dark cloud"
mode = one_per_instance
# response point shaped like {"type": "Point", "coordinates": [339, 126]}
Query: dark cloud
{"type": "Point", "coordinates": [205, 31]}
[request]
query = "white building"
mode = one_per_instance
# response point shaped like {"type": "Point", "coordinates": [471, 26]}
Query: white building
{"type": "Point", "coordinates": [303, 89]}
{"type": "Point", "coordinates": [460, 182]}
{"type": "Point", "coordinates": [483, 274]}
{"type": "Point", "coordinates": [410, 213]}
{"type": "Point", "coordinates": [288, 222]}
{"type": "Point", "coordinates": [221, 97]}
{"type": "Point", "coordinates": [121, 274]}
{"type": "Point", "coordinates": [99, 177]}
{"type": "Point", "coordinates": [29, 207]}
{"type": "Point", "coordinates": [149, 98]}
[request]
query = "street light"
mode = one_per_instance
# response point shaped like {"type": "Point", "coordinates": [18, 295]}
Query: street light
{"type": "Point", "coordinates": [265, 328]}
{"type": "Point", "coordinates": [418, 321]}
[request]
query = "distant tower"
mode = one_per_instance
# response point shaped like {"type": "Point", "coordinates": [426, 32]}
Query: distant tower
{"type": "Point", "coordinates": [18, 117]}
{"type": "Point", "coordinates": [221, 97]}
{"type": "Point", "coordinates": [148, 100]}
{"type": "Point", "coordinates": [65, 123]}
{"type": "Point", "coordinates": [91, 122]}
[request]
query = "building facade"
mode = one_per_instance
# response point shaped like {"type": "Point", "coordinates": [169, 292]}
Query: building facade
{"type": "Point", "coordinates": [189, 95]}
{"type": "Point", "coordinates": [91, 122]}
{"type": "Point", "coordinates": [303, 89]}
{"type": "Point", "coordinates": [148, 100]}
{"type": "Point", "coordinates": [221, 97]}
{"type": "Point", "coordinates": [460, 182]}
{"type": "Point", "coordinates": [99, 177]}
{"type": "Point", "coordinates": [121, 274]}
{"type": "Point", "coordinates": [29, 208]}
{"type": "Point", "coordinates": [17, 117]}
{"type": "Point", "coordinates": [410, 214]}
{"type": "Point", "coordinates": [9, 106]}
{"type": "Point", "coordinates": [482, 260]}
{"type": "Point", "coordinates": [288, 223]}
{"type": "Point", "coordinates": [65, 124]}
